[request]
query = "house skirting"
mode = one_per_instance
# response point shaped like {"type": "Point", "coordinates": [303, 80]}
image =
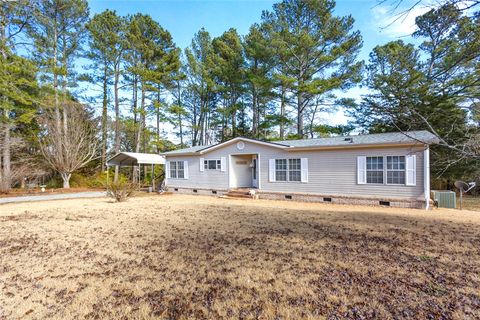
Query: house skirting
{"type": "Point", "coordinates": [198, 191]}
{"type": "Point", "coordinates": [350, 200]}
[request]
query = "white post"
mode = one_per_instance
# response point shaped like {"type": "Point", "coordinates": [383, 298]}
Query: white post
{"type": "Point", "coordinates": [426, 176]}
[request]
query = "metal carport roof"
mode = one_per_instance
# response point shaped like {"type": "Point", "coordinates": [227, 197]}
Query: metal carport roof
{"type": "Point", "coordinates": [133, 159]}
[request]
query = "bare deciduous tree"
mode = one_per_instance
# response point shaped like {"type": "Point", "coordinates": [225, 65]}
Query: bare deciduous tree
{"type": "Point", "coordinates": [68, 151]}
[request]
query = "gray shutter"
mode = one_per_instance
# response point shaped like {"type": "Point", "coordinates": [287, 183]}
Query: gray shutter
{"type": "Point", "coordinates": [271, 170]}
{"type": "Point", "coordinates": [411, 170]}
{"type": "Point", "coordinates": [185, 169]}
{"type": "Point", "coordinates": [304, 168]}
{"type": "Point", "coordinates": [361, 170]}
{"type": "Point", "coordinates": [202, 168]}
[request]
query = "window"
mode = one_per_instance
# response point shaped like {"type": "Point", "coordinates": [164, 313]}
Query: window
{"type": "Point", "coordinates": [281, 170]}
{"type": "Point", "coordinates": [173, 169]}
{"type": "Point", "coordinates": [288, 170]}
{"type": "Point", "coordinates": [180, 170]}
{"type": "Point", "coordinates": [396, 170]}
{"type": "Point", "coordinates": [212, 164]}
{"type": "Point", "coordinates": [375, 170]}
{"type": "Point", "coordinates": [294, 170]}
{"type": "Point", "coordinates": [177, 169]}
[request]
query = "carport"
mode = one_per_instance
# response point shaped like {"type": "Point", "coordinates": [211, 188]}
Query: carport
{"type": "Point", "coordinates": [134, 159]}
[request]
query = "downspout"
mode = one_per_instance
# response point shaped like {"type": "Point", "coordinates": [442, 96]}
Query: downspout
{"type": "Point", "coordinates": [426, 176]}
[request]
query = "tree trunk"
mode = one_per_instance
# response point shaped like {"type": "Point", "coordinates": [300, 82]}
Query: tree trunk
{"type": "Point", "coordinates": [300, 132]}
{"type": "Point", "coordinates": [158, 118]}
{"type": "Point", "coordinates": [117, 116]}
{"type": "Point", "coordinates": [7, 171]}
{"type": "Point", "coordinates": [66, 179]}
{"type": "Point", "coordinates": [135, 92]}
{"type": "Point", "coordinates": [282, 113]}
{"type": "Point", "coordinates": [64, 85]}
{"type": "Point", "coordinates": [104, 118]}
{"type": "Point", "coordinates": [55, 82]}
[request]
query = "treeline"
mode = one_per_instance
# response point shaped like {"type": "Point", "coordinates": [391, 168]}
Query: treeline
{"type": "Point", "coordinates": [272, 83]}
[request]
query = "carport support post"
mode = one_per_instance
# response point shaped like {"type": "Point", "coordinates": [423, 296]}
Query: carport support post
{"type": "Point", "coordinates": [153, 177]}
{"type": "Point", "coordinates": [108, 180]}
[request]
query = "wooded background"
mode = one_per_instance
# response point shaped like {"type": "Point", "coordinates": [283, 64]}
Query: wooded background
{"type": "Point", "coordinates": [299, 56]}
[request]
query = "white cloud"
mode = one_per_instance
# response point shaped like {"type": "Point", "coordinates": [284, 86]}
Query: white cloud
{"type": "Point", "coordinates": [397, 22]}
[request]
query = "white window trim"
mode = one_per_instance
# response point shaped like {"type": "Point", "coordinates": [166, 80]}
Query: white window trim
{"type": "Point", "coordinates": [287, 171]}
{"type": "Point", "coordinates": [385, 170]}
{"type": "Point", "coordinates": [185, 170]}
{"type": "Point", "coordinates": [218, 164]}
{"type": "Point", "coordinates": [404, 170]}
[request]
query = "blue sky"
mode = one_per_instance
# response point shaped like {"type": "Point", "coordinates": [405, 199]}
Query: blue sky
{"type": "Point", "coordinates": [183, 18]}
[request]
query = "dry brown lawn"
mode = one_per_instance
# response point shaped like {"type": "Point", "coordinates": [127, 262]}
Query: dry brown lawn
{"type": "Point", "coordinates": [187, 257]}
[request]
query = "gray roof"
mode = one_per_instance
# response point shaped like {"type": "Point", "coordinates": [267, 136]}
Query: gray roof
{"type": "Point", "coordinates": [187, 150]}
{"type": "Point", "coordinates": [409, 137]}
{"type": "Point", "coordinates": [365, 139]}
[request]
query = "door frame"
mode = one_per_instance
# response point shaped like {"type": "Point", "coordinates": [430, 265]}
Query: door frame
{"type": "Point", "coordinates": [230, 169]}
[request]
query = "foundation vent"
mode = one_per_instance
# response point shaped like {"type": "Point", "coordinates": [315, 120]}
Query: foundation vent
{"type": "Point", "coordinates": [385, 203]}
{"type": "Point", "coordinates": [214, 191]}
{"type": "Point", "coordinates": [195, 190]}
{"type": "Point", "coordinates": [289, 197]}
{"type": "Point", "coordinates": [327, 199]}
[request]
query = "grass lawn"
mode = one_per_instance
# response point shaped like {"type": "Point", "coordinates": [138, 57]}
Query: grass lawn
{"type": "Point", "coordinates": [179, 257]}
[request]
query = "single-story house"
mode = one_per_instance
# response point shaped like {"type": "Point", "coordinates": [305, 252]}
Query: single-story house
{"type": "Point", "coordinates": [389, 169]}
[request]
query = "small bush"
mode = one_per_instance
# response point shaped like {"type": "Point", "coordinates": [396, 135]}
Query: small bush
{"type": "Point", "coordinates": [120, 191]}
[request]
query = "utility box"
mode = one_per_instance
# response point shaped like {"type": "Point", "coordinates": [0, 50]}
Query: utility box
{"type": "Point", "coordinates": [444, 198]}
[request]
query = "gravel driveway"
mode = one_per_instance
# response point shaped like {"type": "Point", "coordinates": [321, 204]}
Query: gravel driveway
{"type": "Point", "coordinates": [77, 195]}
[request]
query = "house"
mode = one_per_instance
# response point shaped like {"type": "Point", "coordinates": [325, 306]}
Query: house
{"type": "Point", "coordinates": [375, 169]}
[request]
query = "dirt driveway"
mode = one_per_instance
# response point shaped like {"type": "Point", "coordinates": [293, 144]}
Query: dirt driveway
{"type": "Point", "coordinates": [183, 257]}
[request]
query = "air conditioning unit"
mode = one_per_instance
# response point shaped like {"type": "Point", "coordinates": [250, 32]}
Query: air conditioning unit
{"type": "Point", "coordinates": [444, 198]}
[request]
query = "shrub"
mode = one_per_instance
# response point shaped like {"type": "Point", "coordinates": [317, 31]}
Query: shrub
{"type": "Point", "coordinates": [120, 191]}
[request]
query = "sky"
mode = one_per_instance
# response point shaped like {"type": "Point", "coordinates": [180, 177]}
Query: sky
{"type": "Point", "coordinates": [183, 18]}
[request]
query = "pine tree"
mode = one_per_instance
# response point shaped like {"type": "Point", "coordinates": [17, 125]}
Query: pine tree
{"type": "Point", "coordinates": [201, 95]}
{"type": "Point", "coordinates": [106, 49]}
{"type": "Point", "coordinates": [227, 68]}
{"type": "Point", "coordinates": [259, 56]}
{"type": "Point", "coordinates": [18, 85]}
{"type": "Point", "coordinates": [316, 50]}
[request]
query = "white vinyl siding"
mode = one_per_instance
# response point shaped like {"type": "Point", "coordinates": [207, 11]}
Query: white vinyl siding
{"type": "Point", "coordinates": [330, 172]}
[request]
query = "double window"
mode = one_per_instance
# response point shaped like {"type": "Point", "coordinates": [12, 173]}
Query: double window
{"type": "Point", "coordinates": [212, 164]}
{"type": "Point", "coordinates": [288, 170]}
{"type": "Point", "coordinates": [177, 170]}
{"type": "Point", "coordinates": [395, 170]}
